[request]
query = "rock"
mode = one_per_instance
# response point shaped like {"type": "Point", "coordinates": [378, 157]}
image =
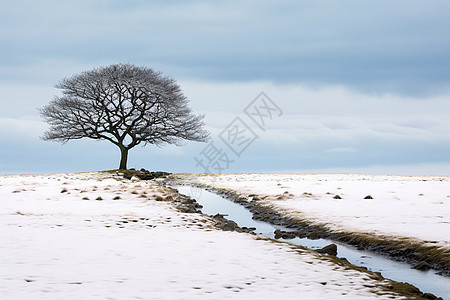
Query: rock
{"type": "Point", "coordinates": [281, 234]}
{"type": "Point", "coordinates": [225, 224]}
{"type": "Point", "coordinates": [288, 235]}
{"type": "Point", "coordinates": [330, 249]}
{"type": "Point", "coordinates": [187, 208]}
{"type": "Point", "coordinates": [230, 226]}
{"type": "Point", "coordinates": [315, 235]}
{"type": "Point", "coordinates": [300, 234]}
{"type": "Point", "coordinates": [422, 266]}
{"type": "Point", "coordinates": [278, 234]}
{"type": "Point", "coordinates": [337, 197]}
{"type": "Point", "coordinates": [143, 174]}
{"type": "Point", "coordinates": [248, 229]}
{"type": "Point", "coordinates": [368, 197]}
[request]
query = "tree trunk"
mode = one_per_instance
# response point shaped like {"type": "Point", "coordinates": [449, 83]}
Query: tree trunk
{"type": "Point", "coordinates": [123, 158]}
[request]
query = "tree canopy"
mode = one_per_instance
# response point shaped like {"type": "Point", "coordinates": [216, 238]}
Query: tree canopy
{"type": "Point", "coordinates": [125, 104]}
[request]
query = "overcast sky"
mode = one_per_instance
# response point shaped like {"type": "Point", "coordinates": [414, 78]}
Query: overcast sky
{"type": "Point", "coordinates": [362, 86]}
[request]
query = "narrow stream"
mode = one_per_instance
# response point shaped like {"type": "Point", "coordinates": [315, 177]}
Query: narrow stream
{"type": "Point", "coordinates": [426, 281]}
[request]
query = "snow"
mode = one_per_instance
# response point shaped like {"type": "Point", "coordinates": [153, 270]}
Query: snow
{"type": "Point", "coordinates": [90, 236]}
{"type": "Point", "coordinates": [411, 207]}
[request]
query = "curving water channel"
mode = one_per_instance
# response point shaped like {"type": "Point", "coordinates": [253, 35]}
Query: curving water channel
{"type": "Point", "coordinates": [426, 281]}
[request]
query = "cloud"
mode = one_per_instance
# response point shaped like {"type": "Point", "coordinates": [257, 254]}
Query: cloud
{"type": "Point", "coordinates": [326, 112]}
{"type": "Point", "coordinates": [341, 150]}
{"type": "Point", "coordinates": [420, 169]}
{"type": "Point", "coordinates": [359, 83]}
{"type": "Point", "coordinates": [330, 126]}
{"type": "Point", "coordinates": [321, 128]}
{"type": "Point", "coordinates": [20, 129]}
{"type": "Point", "coordinates": [375, 46]}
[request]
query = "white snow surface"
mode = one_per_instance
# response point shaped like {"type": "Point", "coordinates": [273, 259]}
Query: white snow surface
{"type": "Point", "coordinates": [411, 207]}
{"type": "Point", "coordinates": [56, 245]}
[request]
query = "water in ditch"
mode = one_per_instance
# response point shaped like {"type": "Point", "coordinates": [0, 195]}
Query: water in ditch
{"type": "Point", "coordinates": [426, 281]}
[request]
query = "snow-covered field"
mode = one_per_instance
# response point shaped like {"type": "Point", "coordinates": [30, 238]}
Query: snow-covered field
{"type": "Point", "coordinates": [90, 236]}
{"type": "Point", "coordinates": [411, 207]}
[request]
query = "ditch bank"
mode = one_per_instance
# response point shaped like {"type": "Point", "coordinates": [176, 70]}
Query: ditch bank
{"type": "Point", "coordinates": [417, 255]}
{"type": "Point", "coordinates": [214, 203]}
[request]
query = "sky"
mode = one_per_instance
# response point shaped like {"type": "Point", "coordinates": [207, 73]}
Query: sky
{"type": "Point", "coordinates": [351, 86]}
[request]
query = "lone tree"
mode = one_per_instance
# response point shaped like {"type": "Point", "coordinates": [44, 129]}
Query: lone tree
{"type": "Point", "coordinates": [125, 104]}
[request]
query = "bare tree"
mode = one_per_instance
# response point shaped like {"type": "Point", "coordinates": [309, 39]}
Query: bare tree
{"type": "Point", "coordinates": [125, 104]}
